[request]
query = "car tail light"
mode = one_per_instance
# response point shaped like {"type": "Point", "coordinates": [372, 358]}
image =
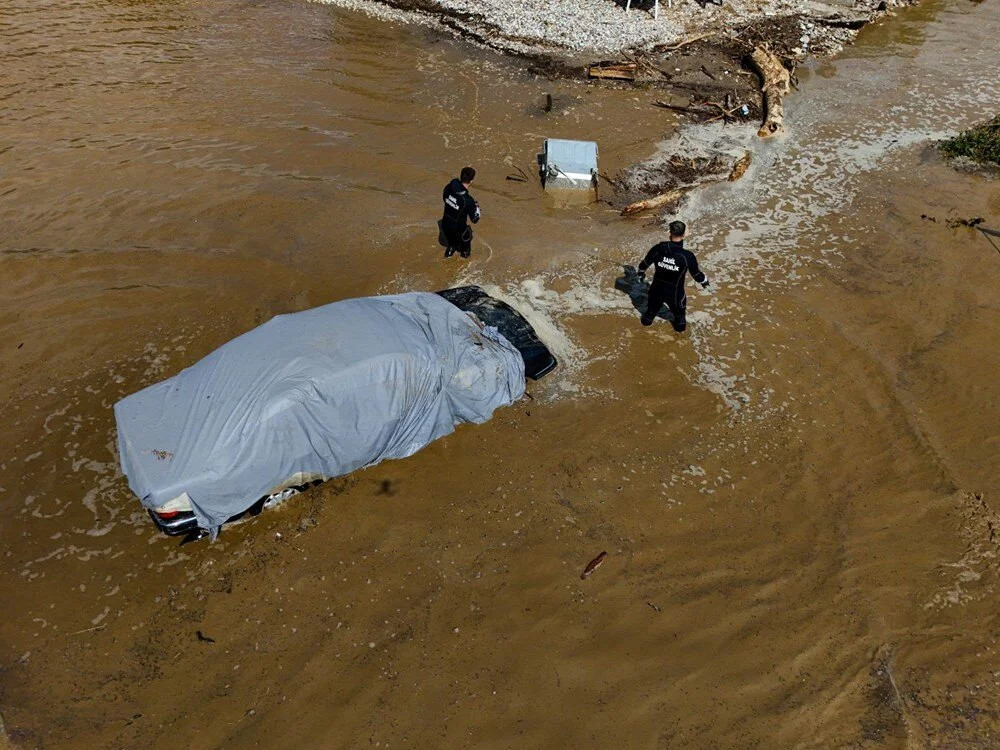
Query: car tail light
{"type": "Point", "coordinates": [166, 515]}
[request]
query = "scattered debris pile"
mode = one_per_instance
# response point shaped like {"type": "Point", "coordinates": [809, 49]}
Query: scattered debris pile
{"type": "Point", "coordinates": [697, 156]}
{"type": "Point", "coordinates": [738, 77]}
{"type": "Point", "coordinates": [731, 109]}
{"type": "Point", "coordinates": [719, 89]}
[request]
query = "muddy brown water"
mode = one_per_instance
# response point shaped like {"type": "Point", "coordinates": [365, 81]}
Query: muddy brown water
{"type": "Point", "coordinates": [798, 499]}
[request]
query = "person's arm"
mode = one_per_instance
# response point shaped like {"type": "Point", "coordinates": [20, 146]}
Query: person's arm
{"type": "Point", "coordinates": [696, 273]}
{"type": "Point", "coordinates": [472, 208]}
{"type": "Point", "coordinates": [649, 260]}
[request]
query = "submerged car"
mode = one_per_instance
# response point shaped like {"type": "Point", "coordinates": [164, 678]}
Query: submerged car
{"type": "Point", "coordinates": [318, 394]}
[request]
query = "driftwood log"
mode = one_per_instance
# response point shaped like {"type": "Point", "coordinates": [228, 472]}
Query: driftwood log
{"type": "Point", "coordinates": [655, 202]}
{"type": "Point", "coordinates": [615, 71]}
{"type": "Point", "coordinates": [776, 82]}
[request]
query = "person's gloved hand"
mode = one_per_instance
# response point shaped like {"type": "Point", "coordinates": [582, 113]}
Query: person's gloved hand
{"type": "Point", "coordinates": [704, 284]}
{"type": "Point", "coordinates": [641, 275]}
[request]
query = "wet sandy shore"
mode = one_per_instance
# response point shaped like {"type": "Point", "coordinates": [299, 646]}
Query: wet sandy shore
{"type": "Point", "coordinates": [798, 500]}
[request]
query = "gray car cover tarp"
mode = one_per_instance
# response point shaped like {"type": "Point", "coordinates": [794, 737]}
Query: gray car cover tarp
{"type": "Point", "coordinates": [321, 392]}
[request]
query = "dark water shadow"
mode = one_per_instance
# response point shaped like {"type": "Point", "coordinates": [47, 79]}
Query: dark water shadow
{"type": "Point", "coordinates": [637, 290]}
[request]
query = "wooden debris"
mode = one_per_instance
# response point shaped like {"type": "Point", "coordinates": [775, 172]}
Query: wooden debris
{"type": "Point", "coordinates": [519, 177]}
{"type": "Point", "coordinates": [698, 89]}
{"type": "Point", "coordinates": [615, 71]}
{"type": "Point", "coordinates": [615, 184]}
{"type": "Point", "coordinates": [707, 72]}
{"type": "Point", "coordinates": [90, 630]}
{"type": "Point", "coordinates": [960, 222]}
{"type": "Point", "coordinates": [655, 202]}
{"type": "Point", "coordinates": [776, 83]}
{"type": "Point", "coordinates": [679, 108]}
{"type": "Point", "coordinates": [683, 42]}
{"type": "Point", "coordinates": [726, 115]}
{"type": "Point", "coordinates": [593, 565]}
{"type": "Point", "coordinates": [841, 19]}
{"type": "Point", "coordinates": [740, 167]}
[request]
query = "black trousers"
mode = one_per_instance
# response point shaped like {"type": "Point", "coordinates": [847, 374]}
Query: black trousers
{"type": "Point", "coordinates": [457, 239]}
{"type": "Point", "coordinates": [675, 300]}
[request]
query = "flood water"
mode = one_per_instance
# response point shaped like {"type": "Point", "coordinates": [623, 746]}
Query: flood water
{"type": "Point", "coordinates": [798, 498]}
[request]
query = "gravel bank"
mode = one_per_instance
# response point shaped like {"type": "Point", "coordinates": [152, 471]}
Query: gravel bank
{"type": "Point", "coordinates": [576, 29]}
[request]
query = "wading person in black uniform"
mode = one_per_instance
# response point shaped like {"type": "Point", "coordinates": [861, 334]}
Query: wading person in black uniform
{"type": "Point", "coordinates": [459, 206]}
{"type": "Point", "coordinates": [671, 263]}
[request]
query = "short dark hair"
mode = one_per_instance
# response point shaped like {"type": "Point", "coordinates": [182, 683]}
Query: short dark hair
{"type": "Point", "coordinates": [468, 175]}
{"type": "Point", "coordinates": [678, 228]}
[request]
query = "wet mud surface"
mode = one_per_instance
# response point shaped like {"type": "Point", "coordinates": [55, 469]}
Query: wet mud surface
{"type": "Point", "coordinates": [798, 499]}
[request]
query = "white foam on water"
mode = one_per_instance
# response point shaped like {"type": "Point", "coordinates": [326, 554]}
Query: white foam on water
{"type": "Point", "coordinates": [550, 311]}
{"type": "Point", "coordinates": [101, 616]}
{"type": "Point", "coordinates": [535, 303]}
{"type": "Point", "coordinates": [53, 415]}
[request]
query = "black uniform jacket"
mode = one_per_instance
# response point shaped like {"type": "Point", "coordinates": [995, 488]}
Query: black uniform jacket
{"type": "Point", "coordinates": [671, 262]}
{"type": "Point", "coordinates": [459, 205]}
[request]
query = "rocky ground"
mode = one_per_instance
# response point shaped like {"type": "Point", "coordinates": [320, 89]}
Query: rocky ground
{"type": "Point", "coordinates": [577, 30]}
